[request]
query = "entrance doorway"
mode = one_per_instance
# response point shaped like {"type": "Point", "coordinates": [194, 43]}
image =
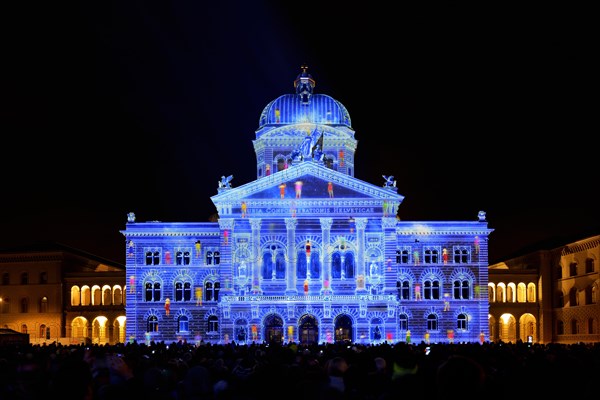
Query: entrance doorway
{"type": "Point", "coordinates": [274, 329]}
{"type": "Point", "coordinates": [343, 329]}
{"type": "Point", "coordinates": [308, 328]}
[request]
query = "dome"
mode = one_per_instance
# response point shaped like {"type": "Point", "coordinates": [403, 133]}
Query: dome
{"type": "Point", "coordinates": [304, 107]}
{"type": "Point", "coordinates": [304, 127]}
{"type": "Point", "coordinates": [290, 109]}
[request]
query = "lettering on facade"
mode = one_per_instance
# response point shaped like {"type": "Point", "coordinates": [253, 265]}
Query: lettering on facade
{"type": "Point", "coordinates": [325, 210]}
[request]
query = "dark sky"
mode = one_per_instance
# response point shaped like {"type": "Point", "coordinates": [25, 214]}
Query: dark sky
{"type": "Point", "coordinates": [112, 107]}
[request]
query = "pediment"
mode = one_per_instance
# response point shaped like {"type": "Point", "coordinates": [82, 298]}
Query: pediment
{"type": "Point", "coordinates": [315, 182]}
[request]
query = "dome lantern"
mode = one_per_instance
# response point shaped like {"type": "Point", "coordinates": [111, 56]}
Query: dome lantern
{"type": "Point", "coordinates": [304, 85]}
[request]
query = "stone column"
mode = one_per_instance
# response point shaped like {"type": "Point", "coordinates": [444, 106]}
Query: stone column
{"type": "Point", "coordinates": [388, 226]}
{"type": "Point", "coordinates": [361, 224]}
{"type": "Point", "coordinates": [290, 268]}
{"type": "Point", "coordinates": [326, 253]}
{"type": "Point", "coordinates": [255, 255]}
{"type": "Point", "coordinates": [226, 240]}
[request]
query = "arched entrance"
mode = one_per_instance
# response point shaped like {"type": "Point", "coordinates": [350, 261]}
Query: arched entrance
{"type": "Point", "coordinates": [308, 329]}
{"type": "Point", "coordinates": [274, 329]}
{"type": "Point", "coordinates": [241, 331]}
{"type": "Point", "coordinates": [343, 329]}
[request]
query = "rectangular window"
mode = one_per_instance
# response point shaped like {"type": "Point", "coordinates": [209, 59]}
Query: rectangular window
{"type": "Point", "coordinates": [403, 255]}
{"type": "Point", "coordinates": [462, 255]}
{"type": "Point", "coordinates": [431, 255]}
{"type": "Point", "coordinates": [573, 269]}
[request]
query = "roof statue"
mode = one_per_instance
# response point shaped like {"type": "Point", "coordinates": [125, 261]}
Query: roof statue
{"type": "Point", "coordinates": [225, 182]}
{"type": "Point", "coordinates": [389, 181]}
{"type": "Point", "coordinates": [311, 147]}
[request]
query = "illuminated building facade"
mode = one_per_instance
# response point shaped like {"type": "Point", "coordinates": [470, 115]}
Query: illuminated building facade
{"type": "Point", "coordinates": [56, 293]}
{"type": "Point", "coordinates": [547, 296]}
{"type": "Point", "coordinates": [307, 252]}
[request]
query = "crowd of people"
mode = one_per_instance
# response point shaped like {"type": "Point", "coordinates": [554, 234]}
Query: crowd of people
{"type": "Point", "coordinates": [334, 371]}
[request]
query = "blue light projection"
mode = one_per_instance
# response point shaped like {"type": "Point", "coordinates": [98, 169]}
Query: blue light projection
{"type": "Point", "coordinates": [306, 252]}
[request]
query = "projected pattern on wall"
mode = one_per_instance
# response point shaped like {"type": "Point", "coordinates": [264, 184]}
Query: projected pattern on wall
{"type": "Point", "coordinates": [307, 252]}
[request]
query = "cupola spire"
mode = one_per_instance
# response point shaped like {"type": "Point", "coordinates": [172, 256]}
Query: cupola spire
{"type": "Point", "coordinates": [304, 84]}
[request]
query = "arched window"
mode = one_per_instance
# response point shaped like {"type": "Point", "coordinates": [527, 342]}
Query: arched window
{"type": "Point", "coordinates": [106, 296]}
{"type": "Point", "coordinates": [301, 264]}
{"type": "Point", "coordinates": [403, 322]}
{"type": "Point", "coordinates": [588, 293]}
{"type": "Point", "coordinates": [5, 305]}
{"type": "Point", "coordinates": [183, 324]}
{"type": "Point", "coordinates": [208, 291]}
{"type": "Point", "coordinates": [44, 304]}
{"type": "Point", "coordinates": [280, 265]}
{"type": "Point", "coordinates": [178, 291]}
{"type": "Point", "coordinates": [152, 291]}
{"type": "Point", "coordinates": [267, 267]}
{"type": "Point", "coordinates": [461, 289]}
{"type": "Point", "coordinates": [573, 298]}
{"type": "Point", "coordinates": [24, 305]}
{"type": "Point", "coordinates": [117, 295]}
{"type": "Point", "coordinates": [592, 330]}
{"type": "Point", "coordinates": [336, 266]}
{"type": "Point", "coordinates": [531, 297]}
{"type": "Point", "coordinates": [574, 327]}
{"type": "Point", "coordinates": [432, 322]}
{"type": "Point", "coordinates": [187, 291]}
{"type": "Point", "coordinates": [44, 332]}
{"type": "Point", "coordinates": [491, 293]}
{"type": "Point", "coordinates": [315, 265]}
{"type": "Point", "coordinates": [157, 294]}
{"type": "Point", "coordinates": [217, 287]}
{"type": "Point", "coordinates": [560, 327]}
{"type": "Point", "coordinates": [589, 266]}
{"type": "Point", "coordinates": [431, 289]}
{"type": "Point", "coordinates": [462, 322]}
{"type": "Point", "coordinates": [510, 293]}
{"type": "Point", "coordinates": [148, 291]}
{"type": "Point", "coordinates": [75, 296]}
{"type": "Point", "coordinates": [213, 324]}
{"type": "Point", "coordinates": [349, 266]}
{"type": "Point", "coordinates": [560, 299]}
{"type": "Point", "coordinates": [403, 287]}
{"type": "Point", "coordinates": [152, 324]}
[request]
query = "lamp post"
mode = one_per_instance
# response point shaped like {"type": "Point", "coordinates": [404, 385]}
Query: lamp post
{"type": "Point", "coordinates": [1, 312]}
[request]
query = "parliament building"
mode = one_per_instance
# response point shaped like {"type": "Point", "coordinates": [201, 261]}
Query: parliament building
{"type": "Point", "coordinates": [307, 253]}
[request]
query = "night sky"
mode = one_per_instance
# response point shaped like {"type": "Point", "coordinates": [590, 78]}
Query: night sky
{"type": "Point", "coordinates": [112, 107]}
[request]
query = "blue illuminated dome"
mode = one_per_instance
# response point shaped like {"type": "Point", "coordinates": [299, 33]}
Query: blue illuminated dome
{"type": "Point", "coordinates": [304, 106]}
{"type": "Point", "coordinates": [304, 126]}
